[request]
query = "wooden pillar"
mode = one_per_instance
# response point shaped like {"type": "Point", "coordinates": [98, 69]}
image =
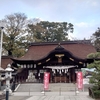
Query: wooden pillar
{"type": "Point", "coordinates": [73, 75]}
{"type": "Point", "coordinates": [51, 76]}
{"type": "Point", "coordinates": [65, 77]}
{"type": "Point", "coordinates": [55, 78]}
{"type": "Point", "coordinates": [69, 76]}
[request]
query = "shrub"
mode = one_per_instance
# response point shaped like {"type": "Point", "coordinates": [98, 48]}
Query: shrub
{"type": "Point", "coordinates": [96, 93]}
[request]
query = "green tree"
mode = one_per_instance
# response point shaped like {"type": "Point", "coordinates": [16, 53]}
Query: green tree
{"type": "Point", "coordinates": [95, 79]}
{"type": "Point", "coordinates": [50, 31]}
{"type": "Point", "coordinates": [13, 38]}
{"type": "Point", "coordinates": [96, 39]}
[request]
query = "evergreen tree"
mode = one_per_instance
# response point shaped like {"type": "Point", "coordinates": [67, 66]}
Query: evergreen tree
{"type": "Point", "coordinates": [96, 39]}
{"type": "Point", "coordinates": [50, 31]}
{"type": "Point", "coordinates": [95, 79]}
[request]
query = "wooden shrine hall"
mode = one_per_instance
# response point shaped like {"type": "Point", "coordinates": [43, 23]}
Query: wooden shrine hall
{"type": "Point", "coordinates": [61, 60]}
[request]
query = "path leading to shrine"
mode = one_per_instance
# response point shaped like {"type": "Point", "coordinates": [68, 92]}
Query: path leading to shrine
{"type": "Point", "coordinates": [57, 91]}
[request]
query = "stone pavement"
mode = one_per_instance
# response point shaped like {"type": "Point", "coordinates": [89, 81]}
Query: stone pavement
{"type": "Point", "coordinates": [50, 96]}
{"type": "Point", "coordinates": [18, 97]}
{"type": "Point", "coordinates": [58, 91]}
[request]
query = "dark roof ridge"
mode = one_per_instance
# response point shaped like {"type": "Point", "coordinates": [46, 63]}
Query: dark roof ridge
{"type": "Point", "coordinates": [62, 42]}
{"type": "Point", "coordinates": [5, 56]}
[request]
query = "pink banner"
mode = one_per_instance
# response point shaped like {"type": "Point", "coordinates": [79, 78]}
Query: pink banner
{"type": "Point", "coordinates": [79, 80]}
{"type": "Point", "coordinates": [46, 80]}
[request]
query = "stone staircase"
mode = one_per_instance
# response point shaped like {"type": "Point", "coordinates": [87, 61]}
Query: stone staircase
{"type": "Point", "coordinates": [53, 87]}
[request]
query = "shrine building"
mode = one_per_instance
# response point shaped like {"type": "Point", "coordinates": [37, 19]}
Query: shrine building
{"type": "Point", "coordinates": [61, 59]}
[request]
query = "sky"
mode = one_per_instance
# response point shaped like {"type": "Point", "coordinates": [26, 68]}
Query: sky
{"type": "Point", "coordinates": [83, 14]}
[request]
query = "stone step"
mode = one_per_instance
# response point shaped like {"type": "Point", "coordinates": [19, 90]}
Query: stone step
{"type": "Point", "coordinates": [53, 87]}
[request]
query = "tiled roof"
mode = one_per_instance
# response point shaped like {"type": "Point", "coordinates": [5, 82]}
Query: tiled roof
{"type": "Point", "coordinates": [38, 51]}
{"type": "Point", "coordinates": [5, 61]}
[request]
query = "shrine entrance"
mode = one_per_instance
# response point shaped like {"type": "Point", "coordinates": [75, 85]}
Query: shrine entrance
{"type": "Point", "coordinates": [62, 74]}
{"type": "Point", "coordinates": [58, 74]}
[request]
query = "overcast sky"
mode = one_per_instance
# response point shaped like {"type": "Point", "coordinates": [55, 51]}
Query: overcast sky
{"type": "Point", "coordinates": [83, 14]}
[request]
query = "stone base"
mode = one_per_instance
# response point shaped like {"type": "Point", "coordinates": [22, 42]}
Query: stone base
{"type": "Point", "coordinates": [4, 91]}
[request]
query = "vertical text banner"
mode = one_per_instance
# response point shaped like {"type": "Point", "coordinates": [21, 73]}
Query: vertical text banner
{"type": "Point", "coordinates": [79, 80]}
{"type": "Point", "coordinates": [46, 80]}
